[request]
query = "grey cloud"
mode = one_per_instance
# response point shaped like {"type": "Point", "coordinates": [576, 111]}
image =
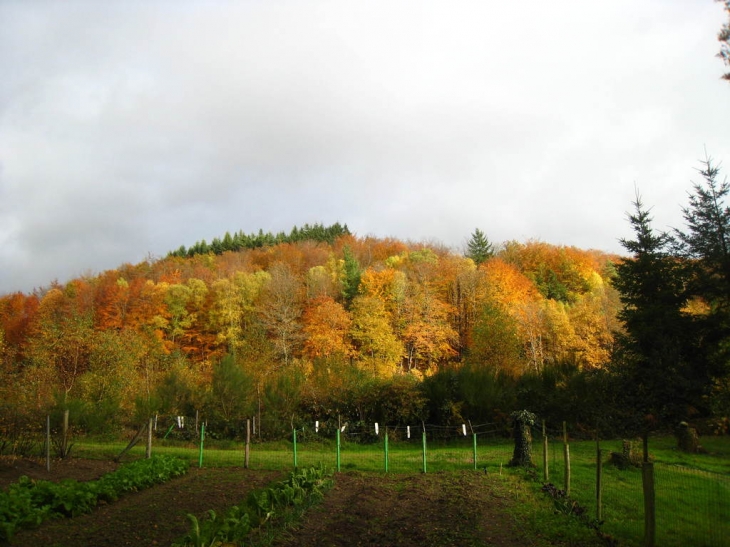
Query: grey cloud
{"type": "Point", "coordinates": [131, 128]}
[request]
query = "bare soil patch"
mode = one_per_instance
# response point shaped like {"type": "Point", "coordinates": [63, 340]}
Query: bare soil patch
{"type": "Point", "coordinates": [155, 516]}
{"type": "Point", "coordinates": [362, 509]}
{"type": "Point", "coordinates": [12, 468]}
{"type": "Point", "coordinates": [456, 509]}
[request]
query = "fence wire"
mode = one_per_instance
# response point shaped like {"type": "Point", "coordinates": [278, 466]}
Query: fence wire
{"type": "Point", "coordinates": [692, 505]}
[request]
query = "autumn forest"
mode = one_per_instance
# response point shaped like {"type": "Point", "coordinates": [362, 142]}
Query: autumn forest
{"type": "Point", "coordinates": [321, 323]}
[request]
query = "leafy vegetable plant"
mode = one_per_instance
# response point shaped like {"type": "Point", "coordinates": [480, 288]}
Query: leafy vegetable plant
{"type": "Point", "coordinates": [29, 502]}
{"type": "Point", "coordinates": [302, 486]}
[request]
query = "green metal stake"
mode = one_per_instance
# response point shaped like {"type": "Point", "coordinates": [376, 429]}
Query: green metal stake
{"type": "Point", "coordinates": [386, 452]}
{"type": "Point", "coordinates": [338, 450]}
{"type": "Point", "coordinates": [202, 438]}
{"type": "Point", "coordinates": [424, 451]}
{"type": "Point", "coordinates": [295, 448]}
{"type": "Point", "coordinates": [168, 432]}
{"type": "Point", "coordinates": [475, 451]}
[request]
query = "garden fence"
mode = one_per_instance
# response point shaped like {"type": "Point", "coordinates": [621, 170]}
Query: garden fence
{"type": "Point", "coordinates": [690, 503]}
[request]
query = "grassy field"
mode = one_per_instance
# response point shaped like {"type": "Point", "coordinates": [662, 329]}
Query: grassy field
{"type": "Point", "coordinates": [692, 491]}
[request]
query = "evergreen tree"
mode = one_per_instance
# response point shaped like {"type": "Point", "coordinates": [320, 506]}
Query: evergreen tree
{"type": "Point", "coordinates": [478, 248]}
{"type": "Point", "coordinates": [659, 381]}
{"type": "Point", "coordinates": [351, 278]}
{"type": "Point", "coordinates": [705, 245]}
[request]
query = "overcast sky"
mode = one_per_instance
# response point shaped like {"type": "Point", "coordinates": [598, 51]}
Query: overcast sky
{"type": "Point", "coordinates": [130, 128]}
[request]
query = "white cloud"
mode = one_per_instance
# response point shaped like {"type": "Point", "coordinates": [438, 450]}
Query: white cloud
{"type": "Point", "coordinates": [131, 128]}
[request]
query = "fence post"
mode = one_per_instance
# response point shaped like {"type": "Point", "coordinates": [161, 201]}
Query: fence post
{"type": "Point", "coordinates": [424, 450]}
{"type": "Point", "coordinates": [647, 475]}
{"type": "Point", "coordinates": [64, 440]}
{"type": "Point", "coordinates": [474, 435]}
{"type": "Point", "coordinates": [202, 438]}
{"type": "Point", "coordinates": [567, 459]}
{"type": "Point", "coordinates": [148, 452]}
{"type": "Point", "coordinates": [48, 442]}
{"type": "Point", "coordinates": [247, 450]}
{"type": "Point", "coordinates": [294, 437]}
{"type": "Point", "coordinates": [386, 450]}
{"type": "Point", "coordinates": [599, 480]}
{"type": "Point", "coordinates": [545, 459]}
{"type": "Point", "coordinates": [338, 450]}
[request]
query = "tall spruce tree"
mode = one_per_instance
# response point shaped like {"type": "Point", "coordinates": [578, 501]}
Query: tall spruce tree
{"type": "Point", "coordinates": [659, 384]}
{"type": "Point", "coordinates": [479, 248]}
{"type": "Point", "coordinates": [705, 246]}
{"type": "Point", "coordinates": [351, 278]}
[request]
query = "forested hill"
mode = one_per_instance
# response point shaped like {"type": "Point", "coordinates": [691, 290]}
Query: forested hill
{"type": "Point", "coordinates": [377, 304]}
{"type": "Point", "coordinates": [239, 240]}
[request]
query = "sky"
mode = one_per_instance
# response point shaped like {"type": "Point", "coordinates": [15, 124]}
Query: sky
{"type": "Point", "coordinates": [130, 128]}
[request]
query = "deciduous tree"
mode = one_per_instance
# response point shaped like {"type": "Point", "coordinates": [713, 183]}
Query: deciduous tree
{"type": "Point", "coordinates": [326, 327]}
{"type": "Point", "coordinates": [280, 308]}
{"type": "Point", "coordinates": [379, 349]}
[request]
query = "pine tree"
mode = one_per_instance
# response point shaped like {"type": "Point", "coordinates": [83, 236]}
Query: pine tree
{"type": "Point", "coordinates": [351, 278]}
{"type": "Point", "coordinates": [479, 249]}
{"type": "Point", "coordinates": [705, 246]}
{"type": "Point", "coordinates": [660, 381]}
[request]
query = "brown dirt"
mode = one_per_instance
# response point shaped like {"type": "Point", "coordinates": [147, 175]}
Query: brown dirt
{"type": "Point", "coordinates": [156, 516]}
{"type": "Point", "coordinates": [11, 469]}
{"type": "Point", "coordinates": [456, 509]}
{"type": "Point", "coordinates": [437, 509]}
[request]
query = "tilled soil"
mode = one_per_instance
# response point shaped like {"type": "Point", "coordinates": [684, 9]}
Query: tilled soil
{"type": "Point", "coordinates": [362, 509]}
{"type": "Point", "coordinates": [440, 509]}
{"type": "Point", "coordinates": [155, 516]}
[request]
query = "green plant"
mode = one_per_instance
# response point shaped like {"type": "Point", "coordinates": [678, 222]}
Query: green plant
{"type": "Point", "coordinates": [302, 486]}
{"type": "Point", "coordinates": [29, 502]}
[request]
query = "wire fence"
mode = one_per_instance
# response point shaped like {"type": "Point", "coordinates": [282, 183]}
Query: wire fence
{"type": "Point", "coordinates": [691, 504]}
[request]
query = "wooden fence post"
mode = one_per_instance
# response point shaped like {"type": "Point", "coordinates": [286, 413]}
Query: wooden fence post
{"type": "Point", "coordinates": [294, 442]}
{"type": "Point", "coordinates": [339, 450]}
{"type": "Point", "coordinates": [647, 475]}
{"type": "Point", "coordinates": [202, 440]}
{"type": "Point", "coordinates": [64, 439]}
{"type": "Point", "coordinates": [424, 448]}
{"type": "Point", "coordinates": [247, 451]}
{"type": "Point", "coordinates": [148, 453]}
{"type": "Point", "coordinates": [567, 459]}
{"type": "Point", "coordinates": [545, 453]}
{"type": "Point", "coordinates": [599, 480]}
{"type": "Point", "coordinates": [48, 443]}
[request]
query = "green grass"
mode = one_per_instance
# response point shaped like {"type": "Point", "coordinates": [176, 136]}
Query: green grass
{"type": "Point", "coordinates": [692, 490]}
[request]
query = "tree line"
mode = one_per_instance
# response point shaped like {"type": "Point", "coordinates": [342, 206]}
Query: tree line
{"type": "Point", "coordinates": [370, 329]}
{"type": "Point", "coordinates": [240, 240]}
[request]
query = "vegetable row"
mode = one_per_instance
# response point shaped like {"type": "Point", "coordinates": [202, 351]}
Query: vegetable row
{"type": "Point", "coordinates": [28, 502]}
{"type": "Point", "coordinates": [301, 489]}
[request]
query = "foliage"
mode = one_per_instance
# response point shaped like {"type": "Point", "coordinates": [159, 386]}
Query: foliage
{"type": "Point", "coordinates": [495, 341]}
{"type": "Point", "coordinates": [304, 486]}
{"type": "Point", "coordinates": [240, 240]}
{"type": "Point", "coordinates": [705, 247]}
{"type": "Point", "coordinates": [522, 422]}
{"type": "Point", "coordinates": [662, 376]}
{"type": "Point", "coordinates": [479, 248]}
{"type": "Point", "coordinates": [27, 502]}
{"type": "Point", "coordinates": [724, 38]}
{"type": "Point", "coordinates": [318, 326]}
{"type": "Point", "coordinates": [231, 397]}
{"type": "Point", "coordinates": [351, 276]}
